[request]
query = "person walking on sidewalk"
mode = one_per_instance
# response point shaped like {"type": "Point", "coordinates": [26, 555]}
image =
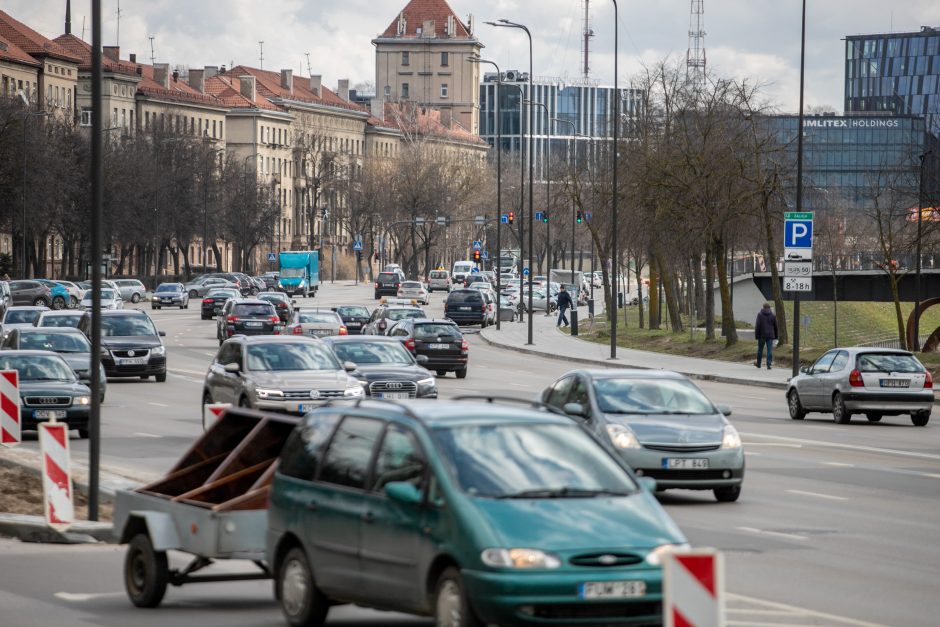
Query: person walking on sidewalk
{"type": "Point", "coordinates": [564, 302]}
{"type": "Point", "coordinates": [765, 331]}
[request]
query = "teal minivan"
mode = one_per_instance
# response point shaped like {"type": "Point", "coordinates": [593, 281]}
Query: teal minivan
{"type": "Point", "coordinates": [471, 512]}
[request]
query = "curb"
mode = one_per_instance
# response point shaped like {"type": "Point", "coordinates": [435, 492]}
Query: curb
{"type": "Point", "coordinates": [34, 529]}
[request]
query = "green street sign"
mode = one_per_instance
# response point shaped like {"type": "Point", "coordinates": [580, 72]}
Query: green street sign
{"type": "Point", "coordinates": [798, 215]}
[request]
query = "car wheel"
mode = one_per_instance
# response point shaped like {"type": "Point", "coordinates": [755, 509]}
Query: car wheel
{"type": "Point", "coordinates": [727, 494]}
{"type": "Point", "coordinates": [920, 418]}
{"type": "Point", "coordinates": [146, 572]}
{"type": "Point", "coordinates": [161, 378]}
{"type": "Point", "coordinates": [193, 294]}
{"type": "Point", "coordinates": [873, 417]}
{"type": "Point", "coordinates": [441, 373]}
{"type": "Point", "coordinates": [73, 302]}
{"type": "Point", "coordinates": [40, 302]}
{"type": "Point", "coordinates": [182, 306]}
{"type": "Point", "coordinates": [377, 296]}
{"type": "Point", "coordinates": [135, 297]}
{"type": "Point", "coordinates": [461, 374]}
{"type": "Point", "coordinates": [244, 402]}
{"type": "Point", "coordinates": [839, 413]}
{"type": "Point", "coordinates": [58, 303]}
{"type": "Point", "coordinates": [302, 602]}
{"type": "Point", "coordinates": [451, 606]}
{"type": "Point", "coordinates": [83, 434]}
{"type": "Point", "coordinates": [795, 406]}
{"type": "Point", "coordinates": [154, 307]}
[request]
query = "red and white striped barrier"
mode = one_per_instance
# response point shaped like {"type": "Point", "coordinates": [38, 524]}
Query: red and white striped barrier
{"type": "Point", "coordinates": [10, 424]}
{"type": "Point", "coordinates": [56, 475]}
{"type": "Point", "coordinates": [694, 589]}
{"type": "Point", "coordinates": [213, 411]}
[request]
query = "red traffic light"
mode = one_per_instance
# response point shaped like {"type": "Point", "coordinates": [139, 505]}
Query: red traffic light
{"type": "Point", "coordinates": [476, 255]}
{"type": "Point", "coordinates": [512, 217]}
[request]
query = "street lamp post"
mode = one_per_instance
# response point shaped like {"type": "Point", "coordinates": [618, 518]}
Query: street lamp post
{"type": "Point", "coordinates": [574, 129]}
{"type": "Point", "coordinates": [614, 253]}
{"type": "Point", "coordinates": [205, 211]}
{"type": "Point", "coordinates": [799, 190]}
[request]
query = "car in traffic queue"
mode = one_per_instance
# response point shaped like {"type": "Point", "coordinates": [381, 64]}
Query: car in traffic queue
{"type": "Point", "coordinates": [75, 292]}
{"type": "Point", "coordinates": [200, 285]}
{"type": "Point", "coordinates": [270, 280]}
{"type": "Point", "coordinates": [476, 277]}
{"type": "Point", "coordinates": [6, 298]}
{"type": "Point", "coordinates": [439, 341]}
{"type": "Point", "coordinates": [131, 346]}
{"type": "Point", "coordinates": [415, 290]}
{"type": "Point", "coordinates": [389, 312]}
{"type": "Point", "coordinates": [68, 342]}
{"type": "Point", "coordinates": [61, 299]}
{"type": "Point", "coordinates": [61, 318]}
{"type": "Point", "coordinates": [489, 299]}
{"type": "Point", "coordinates": [439, 280]}
{"type": "Point", "coordinates": [466, 306]}
{"type": "Point", "coordinates": [387, 284]}
{"type": "Point", "coordinates": [110, 299]}
{"type": "Point", "coordinates": [471, 512]}
{"type": "Point", "coordinates": [170, 295]}
{"type": "Point", "coordinates": [315, 322]}
{"type": "Point", "coordinates": [876, 382]}
{"type": "Point", "coordinates": [238, 279]}
{"type": "Point", "coordinates": [355, 317]}
{"type": "Point", "coordinates": [132, 290]}
{"type": "Point", "coordinates": [507, 311]}
{"type": "Point", "coordinates": [658, 422]}
{"type": "Point", "coordinates": [247, 316]}
{"type": "Point", "coordinates": [285, 373]}
{"type": "Point", "coordinates": [215, 299]}
{"type": "Point", "coordinates": [29, 292]}
{"type": "Point", "coordinates": [283, 304]}
{"type": "Point", "coordinates": [385, 367]}
{"type": "Point", "coordinates": [20, 316]}
{"type": "Point", "coordinates": [48, 389]}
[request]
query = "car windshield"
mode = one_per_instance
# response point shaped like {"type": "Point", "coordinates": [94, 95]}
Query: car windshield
{"type": "Point", "coordinates": [888, 362]}
{"type": "Point", "coordinates": [373, 353]}
{"type": "Point", "coordinates": [63, 320]}
{"type": "Point", "coordinates": [37, 367]}
{"type": "Point", "coordinates": [168, 287]}
{"type": "Point", "coordinates": [650, 396]}
{"type": "Point", "coordinates": [360, 312]}
{"type": "Point", "coordinates": [530, 461]}
{"type": "Point", "coordinates": [56, 342]}
{"type": "Point", "coordinates": [464, 296]}
{"type": "Point", "coordinates": [291, 273]}
{"type": "Point", "coordinates": [387, 278]}
{"type": "Point", "coordinates": [273, 298]}
{"type": "Point", "coordinates": [105, 295]}
{"type": "Point", "coordinates": [283, 356]}
{"type": "Point", "coordinates": [434, 331]}
{"type": "Point", "coordinates": [223, 293]}
{"type": "Point", "coordinates": [317, 317]}
{"type": "Point", "coordinates": [20, 316]}
{"type": "Point", "coordinates": [438, 274]}
{"type": "Point", "coordinates": [401, 314]}
{"type": "Point", "coordinates": [253, 309]}
{"type": "Point", "coordinates": [126, 326]}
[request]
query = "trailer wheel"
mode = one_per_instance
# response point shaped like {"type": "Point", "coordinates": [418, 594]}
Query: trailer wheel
{"type": "Point", "coordinates": [301, 601]}
{"type": "Point", "coordinates": [146, 572]}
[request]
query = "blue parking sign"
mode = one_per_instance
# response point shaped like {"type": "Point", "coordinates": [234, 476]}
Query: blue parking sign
{"type": "Point", "coordinates": [525, 272]}
{"type": "Point", "coordinates": [539, 216]}
{"type": "Point", "coordinates": [798, 234]}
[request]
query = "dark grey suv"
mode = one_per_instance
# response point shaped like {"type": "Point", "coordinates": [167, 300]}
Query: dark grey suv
{"type": "Point", "coordinates": [30, 293]}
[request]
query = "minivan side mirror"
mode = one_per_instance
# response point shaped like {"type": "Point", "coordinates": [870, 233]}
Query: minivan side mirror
{"type": "Point", "coordinates": [403, 492]}
{"type": "Point", "coordinates": [232, 367]}
{"type": "Point", "coordinates": [725, 409]}
{"type": "Point", "coordinates": [575, 409]}
{"type": "Point", "coordinates": [349, 366]}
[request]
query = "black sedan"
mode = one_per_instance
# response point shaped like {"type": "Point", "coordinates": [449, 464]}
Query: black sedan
{"type": "Point", "coordinates": [48, 389]}
{"type": "Point", "coordinates": [355, 317]}
{"type": "Point", "coordinates": [283, 304]}
{"type": "Point", "coordinates": [214, 300]}
{"type": "Point", "coordinates": [384, 367]}
{"type": "Point", "coordinates": [438, 341]}
{"type": "Point", "coordinates": [170, 295]}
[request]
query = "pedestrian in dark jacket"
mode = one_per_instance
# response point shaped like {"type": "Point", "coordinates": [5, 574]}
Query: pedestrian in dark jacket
{"type": "Point", "coordinates": [564, 302]}
{"type": "Point", "coordinates": [765, 331]}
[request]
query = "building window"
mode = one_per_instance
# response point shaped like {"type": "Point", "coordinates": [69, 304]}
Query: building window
{"type": "Point", "coordinates": [221, 134]}
{"type": "Point", "coordinates": [114, 117]}
{"type": "Point", "coordinates": [404, 91]}
{"type": "Point", "coordinates": [213, 128]}
{"type": "Point", "coordinates": [405, 60]}
{"type": "Point", "coordinates": [443, 90]}
{"type": "Point", "coordinates": [444, 59]}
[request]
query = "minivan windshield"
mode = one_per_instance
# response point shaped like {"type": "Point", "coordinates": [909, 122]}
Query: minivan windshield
{"type": "Point", "coordinates": [464, 296]}
{"type": "Point", "coordinates": [650, 396]}
{"type": "Point", "coordinates": [353, 311]}
{"type": "Point", "coordinates": [281, 356]}
{"type": "Point", "coordinates": [126, 326]}
{"type": "Point", "coordinates": [530, 461]}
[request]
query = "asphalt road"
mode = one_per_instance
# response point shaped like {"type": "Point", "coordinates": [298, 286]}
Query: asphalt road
{"type": "Point", "coordinates": [836, 524]}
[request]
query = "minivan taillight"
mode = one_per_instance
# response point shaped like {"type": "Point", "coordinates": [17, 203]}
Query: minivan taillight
{"type": "Point", "coordinates": [928, 381]}
{"type": "Point", "coordinates": [855, 379]}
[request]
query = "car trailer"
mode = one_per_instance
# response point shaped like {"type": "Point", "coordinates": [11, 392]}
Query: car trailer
{"type": "Point", "coordinates": [212, 504]}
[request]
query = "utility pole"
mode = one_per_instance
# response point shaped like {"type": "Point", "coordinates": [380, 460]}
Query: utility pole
{"type": "Point", "coordinates": [799, 191]}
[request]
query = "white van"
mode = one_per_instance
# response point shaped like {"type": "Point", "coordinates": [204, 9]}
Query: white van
{"type": "Point", "coordinates": [461, 270]}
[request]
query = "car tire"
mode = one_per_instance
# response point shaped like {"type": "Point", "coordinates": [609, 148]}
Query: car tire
{"type": "Point", "coordinates": [40, 302]}
{"type": "Point", "coordinates": [161, 378]}
{"type": "Point", "coordinates": [302, 603]}
{"type": "Point", "coordinates": [182, 306]}
{"type": "Point", "coordinates": [839, 413]}
{"type": "Point", "coordinates": [920, 418]}
{"type": "Point", "coordinates": [244, 402]}
{"type": "Point", "coordinates": [83, 434]}
{"type": "Point", "coordinates": [193, 294]}
{"type": "Point", "coordinates": [451, 605]}
{"type": "Point", "coordinates": [146, 572]}
{"type": "Point", "coordinates": [727, 494]}
{"type": "Point", "coordinates": [873, 417]}
{"type": "Point", "coordinates": [135, 298]}
{"type": "Point", "coordinates": [73, 302]}
{"type": "Point", "coordinates": [58, 303]}
{"type": "Point", "coordinates": [377, 296]}
{"type": "Point", "coordinates": [797, 412]}
{"type": "Point", "coordinates": [154, 307]}
{"type": "Point", "coordinates": [461, 374]}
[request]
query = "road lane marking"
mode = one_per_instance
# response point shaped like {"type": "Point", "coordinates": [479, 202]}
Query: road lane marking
{"type": "Point", "coordinates": [852, 447]}
{"type": "Point", "coordinates": [755, 398]}
{"type": "Point", "coordinates": [85, 596]}
{"type": "Point", "coordinates": [147, 435]}
{"type": "Point", "coordinates": [779, 534]}
{"type": "Point", "coordinates": [778, 444]}
{"type": "Point", "coordinates": [819, 495]}
{"type": "Point", "coordinates": [931, 475]}
{"type": "Point", "coordinates": [157, 404]}
{"type": "Point", "coordinates": [751, 454]}
{"type": "Point", "coordinates": [839, 464]}
{"type": "Point", "coordinates": [197, 372]}
{"type": "Point", "coordinates": [802, 611]}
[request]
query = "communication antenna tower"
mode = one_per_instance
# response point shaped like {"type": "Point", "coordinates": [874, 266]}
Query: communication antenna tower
{"type": "Point", "coordinates": [152, 56]}
{"type": "Point", "coordinates": [695, 58]}
{"type": "Point", "coordinates": [588, 33]}
{"type": "Point", "coordinates": [261, 56]}
{"type": "Point", "coordinates": [309, 67]}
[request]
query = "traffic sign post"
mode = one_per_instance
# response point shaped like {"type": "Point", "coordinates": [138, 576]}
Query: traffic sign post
{"type": "Point", "coordinates": [539, 216]}
{"type": "Point", "coordinates": [802, 269]}
{"type": "Point", "coordinates": [525, 272]}
{"type": "Point", "coordinates": [10, 424]}
{"type": "Point", "coordinates": [485, 255]}
{"type": "Point", "coordinates": [357, 246]}
{"type": "Point", "coordinates": [272, 257]}
{"type": "Point", "coordinates": [694, 589]}
{"type": "Point", "coordinates": [56, 475]}
{"type": "Point", "coordinates": [477, 245]}
{"type": "Point", "coordinates": [504, 219]}
{"type": "Point", "coordinates": [798, 236]}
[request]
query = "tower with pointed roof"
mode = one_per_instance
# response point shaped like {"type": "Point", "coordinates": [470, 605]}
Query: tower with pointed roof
{"type": "Point", "coordinates": [421, 58]}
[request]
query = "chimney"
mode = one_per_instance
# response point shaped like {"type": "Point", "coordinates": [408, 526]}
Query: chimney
{"type": "Point", "coordinates": [112, 52]}
{"type": "Point", "coordinates": [197, 80]}
{"type": "Point", "coordinates": [287, 80]}
{"type": "Point", "coordinates": [161, 74]}
{"type": "Point", "coordinates": [247, 86]}
{"type": "Point", "coordinates": [133, 57]}
{"type": "Point", "coordinates": [342, 89]}
{"type": "Point", "coordinates": [176, 75]}
{"type": "Point", "coordinates": [210, 71]}
{"type": "Point", "coordinates": [315, 82]}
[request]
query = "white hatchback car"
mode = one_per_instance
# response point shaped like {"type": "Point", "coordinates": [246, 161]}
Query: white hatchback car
{"type": "Point", "coordinates": [415, 290]}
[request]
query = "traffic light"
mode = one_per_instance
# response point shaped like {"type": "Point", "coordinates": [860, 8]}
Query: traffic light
{"type": "Point", "coordinates": [512, 217]}
{"type": "Point", "coordinates": [545, 217]}
{"type": "Point", "coordinates": [476, 256]}
{"type": "Point", "coordinates": [580, 216]}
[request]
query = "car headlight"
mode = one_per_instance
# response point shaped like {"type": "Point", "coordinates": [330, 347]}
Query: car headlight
{"type": "Point", "coordinates": [427, 382]}
{"type": "Point", "coordinates": [353, 390]}
{"type": "Point", "coordinates": [731, 439]}
{"type": "Point", "coordinates": [519, 558]}
{"type": "Point", "coordinates": [158, 351]}
{"type": "Point", "coordinates": [82, 400]}
{"type": "Point", "coordinates": [655, 557]}
{"type": "Point", "coordinates": [621, 437]}
{"type": "Point", "coordinates": [269, 394]}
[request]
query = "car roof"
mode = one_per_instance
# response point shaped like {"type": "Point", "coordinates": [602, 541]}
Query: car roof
{"type": "Point", "coordinates": [432, 321]}
{"type": "Point", "coordinates": [47, 330]}
{"type": "Point", "coordinates": [861, 350]}
{"type": "Point", "coordinates": [28, 308]}
{"type": "Point", "coordinates": [279, 339]}
{"type": "Point", "coordinates": [124, 312]}
{"type": "Point", "coordinates": [344, 339]}
{"type": "Point", "coordinates": [63, 312]}
{"type": "Point", "coordinates": [437, 413]}
{"type": "Point", "coordinates": [250, 301]}
{"type": "Point", "coordinates": [30, 351]}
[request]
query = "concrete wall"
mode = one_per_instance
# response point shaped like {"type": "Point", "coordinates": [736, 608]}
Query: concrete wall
{"type": "Point", "coordinates": [747, 299]}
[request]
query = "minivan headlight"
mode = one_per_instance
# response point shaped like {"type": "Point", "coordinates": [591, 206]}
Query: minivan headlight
{"type": "Point", "coordinates": [731, 438]}
{"type": "Point", "coordinates": [519, 558]}
{"type": "Point", "coordinates": [267, 394]}
{"type": "Point", "coordinates": [655, 557]}
{"type": "Point", "coordinates": [158, 351]}
{"type": "Point", "coordinates": [622, 437]}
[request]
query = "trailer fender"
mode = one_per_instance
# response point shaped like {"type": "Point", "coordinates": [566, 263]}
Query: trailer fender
{"type": "Point", "coordinates": [158, 525]}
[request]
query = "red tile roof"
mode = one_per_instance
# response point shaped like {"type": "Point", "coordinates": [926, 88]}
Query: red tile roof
{"type": "Point", "coordinates": [426, 121]}
{"type": "Point", "coordinates": [81, 49]}
{"type": "Point", "coordinates": [9, 51]}
{"type": "Point", "coordinates": [419, 11]}
{"type": "Point", "coordinates": [30, 41]}
{"type": "Point", "coordinates": [268, 85]}
{"type": "Point", "coordinates": [227, 90]}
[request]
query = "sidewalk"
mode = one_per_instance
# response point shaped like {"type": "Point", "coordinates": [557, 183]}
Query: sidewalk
{"type": "Point", "coordinates": [554, 344]}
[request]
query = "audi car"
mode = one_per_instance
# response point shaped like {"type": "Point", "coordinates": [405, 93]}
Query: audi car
{"type": "Point", "coordinates": [385, 367]}
{"type": "Point", "coordinates": [48, 389]}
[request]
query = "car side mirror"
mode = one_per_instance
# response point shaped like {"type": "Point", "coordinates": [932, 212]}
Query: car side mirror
{"type": "Point", "coordinates": [232, 367]}
{"type": "Point", "coordinates": [575, 409]}
{"type": "Point", "coordinates": [422, 360]}
{"type": "Point", "coordinates": [161, 333]}
{"type": "Point", "coordinates": [331, 308]}
{"type": "Point", "coordinates": [403, 492]}
{"type": "Point", "coordinates": [725, 410]}
{"type": "Point", "coordinates": [647, 483]}
{"type": "Point", "coordinates": [349, 366]}
{"type": "Point", "coordinates": [805, 370]}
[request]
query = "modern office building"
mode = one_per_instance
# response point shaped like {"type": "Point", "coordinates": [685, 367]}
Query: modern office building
{"type": "Point", "coordinates": [895, 72]}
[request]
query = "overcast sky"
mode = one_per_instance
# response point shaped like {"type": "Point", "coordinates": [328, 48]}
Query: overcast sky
{"type": "Point", "coordinates": [754, 39]}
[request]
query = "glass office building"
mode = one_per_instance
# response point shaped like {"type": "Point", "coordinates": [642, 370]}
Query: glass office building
{"type": "Point", "coordinates": [897, 73]}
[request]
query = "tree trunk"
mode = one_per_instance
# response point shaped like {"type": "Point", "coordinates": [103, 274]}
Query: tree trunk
{"type": "Point", "coordinates": [655, 321]}
{"type": "Point", "coordinates": [727, 310]}
{"type": "Point", "coordinates": [893, 281]}
{"type": "Point", "coordinates": [709, 295]}
{"type": "Point", "coordinates": [638, 271]}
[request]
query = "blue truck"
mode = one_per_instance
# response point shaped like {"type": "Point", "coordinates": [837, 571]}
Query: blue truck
{"type": "Point", "coordinates": [299, 272]}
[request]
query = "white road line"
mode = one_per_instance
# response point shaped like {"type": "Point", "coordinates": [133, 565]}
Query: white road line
{"type": "Point", "coordinates": [818, 495]}
{"type": "Point", "coordinates": [931, 475]}
{"type": "Point", "coordinates": [801, 610]}
{"type": "Point", "coordinates": [147, 435]}
{"type": "Point", "coordinates": [157, 404]}
{"type": "Point", "coordinates": [751, 454]}
{"type": "Point", "coordinates": [755, 398]}
{"type": "Point", "coordinates": [201, 373]}
{"type": "Point", "coordinates": [741, 610]}
{"type": "Point", "coordinates": [751, 623]}
{"type": "Point", "coordinates": [85, 596]}
{"type": "Point", "coordinates": [778, 444]}
{"type": "Point", "coordinates": [779, 534]}
{"type": "Point", "coordinates": [851, 447]}
{"type": "Point", "coordinates": [839, 464]}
